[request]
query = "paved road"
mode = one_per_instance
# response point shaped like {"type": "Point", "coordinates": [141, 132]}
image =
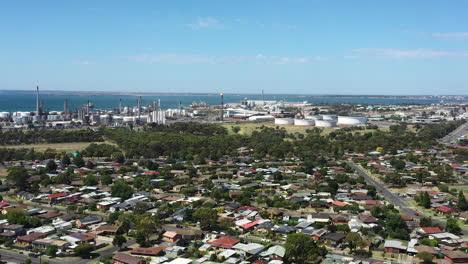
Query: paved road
{"type": "Point", "coordinates": [392, 197]}
{"type": "Point", "coordinates": [451, 138]}
{"type": "Point", "coordinates": [15, 257]}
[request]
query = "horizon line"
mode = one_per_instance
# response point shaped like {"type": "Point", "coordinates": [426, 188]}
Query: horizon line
{"type": "Point", "coordinates": [217, 94]}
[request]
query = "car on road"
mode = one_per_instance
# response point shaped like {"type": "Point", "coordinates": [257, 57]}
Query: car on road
{"type": "Point", "coordinates": [416, 214]}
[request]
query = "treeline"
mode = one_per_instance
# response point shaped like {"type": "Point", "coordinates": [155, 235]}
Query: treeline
{"type": "Point", "coordinates": [153, 144]}
{"type": "Point", "coordinates": [18, 137]}
{"type": "Point", "coordinates": [29, 154]}
{"type": "Point", "coordinates": [11, 154]}
{"type": "Point", "coordinates": [275, 142]}
{"type": "Point", "coordinates": [196, 140]}
{"type": "Point", "coordinates": [99, 150]}
{"type": "Point", "coordinates": [194, 128]}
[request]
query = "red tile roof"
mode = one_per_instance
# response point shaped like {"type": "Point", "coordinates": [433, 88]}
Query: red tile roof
{"type": "Point", "coordinates": [251, 224]}
{"type": "Point", "coordinates": [57, 195]}
{"type": "Point", "coordinates": [224, 242]}
{"type": "Point", "coordinates": [373, 202]}
{"type": "Point", "coordinates": [339, 203]}
{"type": "Point", "coordinates": [431, 230]}
{"type": "Point", "coordinates": [444, 209]}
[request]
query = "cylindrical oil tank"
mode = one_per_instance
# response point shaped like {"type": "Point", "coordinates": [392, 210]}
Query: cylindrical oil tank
{"type": "Point", "coordinates": [284, 121]}
{"type": "Point", "coordinates": [352, 120]}
{"type": "Point", "coordinates": [325, 123]}
{"type": "Point", "coordinates": [4, 115]}
{"type": "Point", "coordinates": [329, 117]}
{"type": "Point", "coordinates": [129, 119]}
{"type": "Point", "coordinates": [304, 122]}
{"type": "Point", "coordinates": [313, 117]}
{"type": "Point", "coordinates": [262, 118]}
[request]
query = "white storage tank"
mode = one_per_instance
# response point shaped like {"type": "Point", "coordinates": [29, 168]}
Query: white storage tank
{"type": "Point", "coordinates": [129, 119]}
{"type": "Point", "coordinates": [262, 118]}
{"type": "Point", "coordinates": [4, 115]}
{"type": "Point", "coordinates": [304, 122]}
{"type": "Point", "coordinates": [53, 117]}
{"type": "Point", "coordinates": [352, 120]}
{"type": "Point", "coordinates": [325, 123]}
{"type": "Point", "coordinates": [284, 121]}
{"type": "Point", "coordinates": [329, 117]}
{"type": "Point", "coordinates": [313, 117]}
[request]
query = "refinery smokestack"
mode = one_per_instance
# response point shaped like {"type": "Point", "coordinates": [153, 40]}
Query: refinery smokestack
{"type": "Point", "coordinates": [38, 104]}
{"type": "Point", "coordinates": [66, 109]}
{"type": "Point", "coordinates": [222, 107]}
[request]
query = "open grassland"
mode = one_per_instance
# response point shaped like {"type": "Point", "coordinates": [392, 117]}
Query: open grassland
{"type": "Point", "coordinates": [59, 147]}
{"type": "Point", "coordinates": [246, 128]}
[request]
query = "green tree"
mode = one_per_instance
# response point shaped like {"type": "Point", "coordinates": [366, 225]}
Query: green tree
{"type": "Point", "coordinates": [66, 160]}
{"type": "Point", "coordinates": [425, 200]}
{"type": "Point", "coordinates": [426, 257]}
{"type": "Point", "coordinates": [78, 161]}
{"type": "Point", "coordinates": [51, 165]}
{"type": "Point", "coordinates": [19, 176]}
{"type": "Point", "coordinates": [207, 218]}
{"type": "Point", "coordinates": [354, 241]}
{"type": "Point", "coordinates": [147, 226]}
{"type": "Point", "coordinates": [106, 179]}
{"type": "Point", "coordinates": [121, 189]}
{"type": "Point", "coordinates": [118, 157]}
{"type": "Point", "coordinates": [461, 203]}
{"type": "Point", "coordinates": [83, 250]}
{"type": "Point", "coordinates": [51, 250]}
{"type": "Point", "coordinates": [452, 226]}
{"type": "Point", "coordinates": [428, 242]}
{"type": "Point", "coordinates": [425, 222]}
{"type": "Point", "coordinates": [397, 226]}
{"type": "Point", "coordinates": [119, 240]}
{"type": "Point", "coordinates": [27, 261]}
{"type": "Point", "coordinates": [301, 248]}
{"type": "Point", "coordinates": [90, 180]}
{"type": "Point", "coordinates": [92, 206]}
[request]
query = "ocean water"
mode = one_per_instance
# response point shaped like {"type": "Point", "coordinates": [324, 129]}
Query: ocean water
{"type": "Point", "coordinates": [11, 101]}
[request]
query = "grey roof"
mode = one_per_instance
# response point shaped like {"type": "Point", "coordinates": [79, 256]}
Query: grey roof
{"type": "Point", "coordinates": [394, 244]}
{"type": "Point", "coordinates": [275, 250]}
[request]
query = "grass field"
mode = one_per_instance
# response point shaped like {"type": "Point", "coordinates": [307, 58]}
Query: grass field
{"type": "Point", "coordinates": [67, 147]}
{"type": "Point", "coordinates": [246, 128]}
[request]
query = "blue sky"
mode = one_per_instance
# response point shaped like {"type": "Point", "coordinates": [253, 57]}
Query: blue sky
{"type": "Point", "coordinates": [306, 47]}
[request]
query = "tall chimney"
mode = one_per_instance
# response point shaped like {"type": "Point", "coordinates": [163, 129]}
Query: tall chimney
{"type": "Point", "coordinates": [38, 104]}
{"type": "Point", "coordinates": [222, 107]}
{"type": "Point", "coordinates": [66, 110]}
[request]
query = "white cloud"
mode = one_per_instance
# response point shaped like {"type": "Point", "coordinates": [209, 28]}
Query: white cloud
{"type": "Point", "coordinates": [178, 58]}
{"type": "Point", "coordinates": [83, 62]}
{"type": "Point", "coordinates": [320, 58]}
{"type": "Point", "coordinates": [410, 53]}
{"type": "Point", "coordinates": [205, 22]}
{"type": "Point", "coordinates": [451, 35]}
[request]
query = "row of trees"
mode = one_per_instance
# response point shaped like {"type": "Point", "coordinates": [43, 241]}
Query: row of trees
{"type": "Point", "coordinates": [19, 137]}
{"type": "Point", "coordinates": [189, 139]}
